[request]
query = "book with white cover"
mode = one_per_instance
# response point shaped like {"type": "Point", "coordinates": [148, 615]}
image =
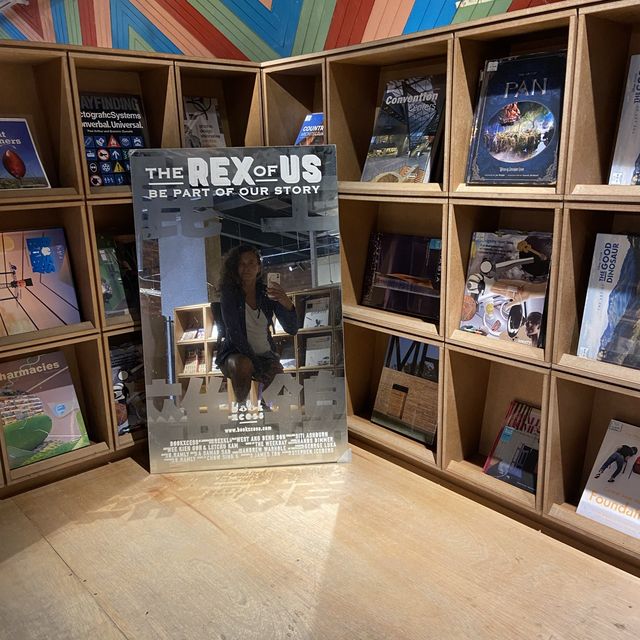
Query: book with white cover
{"type": "Point", "coordinates": [202, 126]}
{"type": "Point", "coordinates": [625, 167]}
{"type": "Point", "coordinates": [316, 313]}
{"type": "Point", "coordinates": [318, 351]}
{"type": "Point", "coordinates": [612, 493]}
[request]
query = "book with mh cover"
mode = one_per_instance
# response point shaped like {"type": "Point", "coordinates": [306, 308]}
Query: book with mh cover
{"type": "Point", "coordinates": [625, 167]}
{"type": "Point", "coordinates": [316, 312]}
{"type": "Point", "coordinates": [36, 283]}
{"type": "Point", "coordinates": [517, 122]}
{"type": "Point", "coordinates": [127, 378]}
{"type": "Point", "coordinates": [402, 275]}
{"type": "Point", "coordinates": [113, 125]}
{"type": "Point", "coordinates": [610, 329]}
{"type": "Point", "coordinates": [406, 131]}
{"type": "Point", "coordinates": [39, 409]}
{"type": "Point", "coordinates": [202, 122]}
{"type": "Point", "coordinates": [317, 351]}
{"type": "Point", "coordinates": [407, 397]}
{"type": "Point", "coordinates": [114, 294]}
{"type": "Point", "coordinates": [612, 492]}
{"type": "Point", "coordinates": [514, 455]}
{"type": "Point", "coordinates": [20, 166]}
{"type": "Point", "coordinates": [312, 130]}
{"type": "Point", "coordinates": [505, 292]}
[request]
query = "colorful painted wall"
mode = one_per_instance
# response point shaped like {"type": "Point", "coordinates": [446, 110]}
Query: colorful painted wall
{"type": "Point", "coordinates": [240, 29]}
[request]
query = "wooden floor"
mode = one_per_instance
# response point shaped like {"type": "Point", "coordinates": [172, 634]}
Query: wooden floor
{"type": "Point", "coordinates": [362, 550]}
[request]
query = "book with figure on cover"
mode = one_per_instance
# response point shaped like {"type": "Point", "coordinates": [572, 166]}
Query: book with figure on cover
{"type": "Point", "coordinates": [406, 130]}
{"type": "Point", "coordinates": [403, 275]}
{"type": "Point", "coordinates": [407, 397]}
{"type": "Point", "coordinates": [127, 377]}
{"type": "Point", "coordinates": [610, 329]}
{"type": "Point", "coordinates": [112, 126]}
{"type": "Point", "coordinates": [517, 121]}
{"type": "Point", "coordinates": [514, 455]}
{"type": "Point", "coordinates": [39, 409]}
{"type": "Point", "coordinates": [612, 493]}
{"type": "Point", "coordinates": [20, 166]}
{"type": "Point", "coordinates": [36, 283]}
{"type": "Point", "coordinates": [506, 288]}
{"type": "Point", "coordinates": [625, 167]}
{"type": "Point", "coordinates": [312, 130]}
{"type": "Point", "coordinates": [317, 351]}
{"type": "Point", "coordinates": [316, 312]}
{"type": "Point", "coordinates": [202, 122]}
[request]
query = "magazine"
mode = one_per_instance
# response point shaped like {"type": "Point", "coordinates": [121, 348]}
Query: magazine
{"type": "Point", "coordinates": [612, 492]}
{"type": "Point", "coordinates": [312, 130]}
{"type": "Point", "coordinates": [112, 126]}
{"type": "Point", "coordinates": [506, 289]}
{"type": "Point", "coordinates": [611, 319]}
{"type": "Point", "coordinates": [202, 122]}
{"type": "Point", "coordinates": [407, 396]}
{"type": "Point", "coordinates": [39, 409]}
{"type": "Point", "coordinates": [21, 167]}
{"type": "Point", "coordinates": [317, 351]}
{"type": "Point", "coordinates": [406, 130]}
{"type": "Point", "coordinates": [316, 313]}
{"type": "Point", "coordinates": [113, 291]}
{"type": "Point", "coordinates": [403, 275]}
{"type": "Point", "coordinates": [517, 122]}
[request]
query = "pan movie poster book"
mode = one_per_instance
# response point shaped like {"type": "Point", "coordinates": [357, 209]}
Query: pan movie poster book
{"type": "Point", "coordinates": [406, 131]}
{"type": "Point", "coordinates": [610, 329]}
{"type": "Point", "coordinates": [517, 123]}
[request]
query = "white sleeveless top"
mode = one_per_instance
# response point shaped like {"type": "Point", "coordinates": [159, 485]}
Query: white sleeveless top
{"type": "Point", "coordinates": [256, 330]}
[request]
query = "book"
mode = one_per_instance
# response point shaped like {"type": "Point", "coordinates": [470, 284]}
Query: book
{"type": "Point", "coordinates": [406, 129]}
{"type": "Point", "coordinates": [202, 122]}
{"type": "Point", "coordinates": [36, 285]}
{"type": "Point", "coordinates": [190, 361]}
{"type": "Point", "coordinates": [127, 378]}
{"type": "Point", "coordinates": [39, 409]}
{"type": "Point", "coordinates": [517, 121]}
{"type": "Point", "coordinates": [191, 332]}
{"type": "Point", "coordinates": [112, 126]}
{"type": "Point", "coordinates": [625, 166]}
{"type": "Point", "coordinates": [201, 361]}
{"type": "Point", "coordinates": [312, 130]}
{"type": "Point", "coordinates": [113, 291]}
{"type": "Point", "coordinates": [611, 318]}
{"type": "Point", "coordinates": [514, 455]}
{"type": "Point", "coordinates": [286, 352]}
{"type": "Point", "coordinates": [407, 397]}
{"type": "Point", "coordinates": [21, 167]}
{"type": "Point", "coordinates": [316, 312]}
{"type": "Point", "coordinates": [506, 288]}
{"type": "Point", "coordinates": [612, 492]}
{"type": "Point", "coordinates": [317, 351]}
{"type": "Point", "coordinates": [402, 275]}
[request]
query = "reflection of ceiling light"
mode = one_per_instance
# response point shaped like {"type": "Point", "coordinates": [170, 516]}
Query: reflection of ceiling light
{"type": "Point", "coordinates": [297, 265]}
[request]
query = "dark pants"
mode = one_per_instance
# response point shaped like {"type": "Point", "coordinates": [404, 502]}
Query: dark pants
{"type": "Point", "coordinates": [242, 369]}
{"type": "Point", "coordinates": [614, 457]}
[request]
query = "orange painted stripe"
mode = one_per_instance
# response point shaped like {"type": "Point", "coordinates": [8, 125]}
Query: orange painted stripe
{"type": "Point", "coordinates": [27, 19]}
{"type": "Point", "coordinates": [87, 23]}
{"type": "Point", "coordinates": [102, 11]}
{"type": "Point", "coordinates": [387, 19]}
{"type": "Point", "coordinates": [46, 19]}
{"type": "Point", "coordinates": [267, 3]}
{"type": "Point", "coordinates": [353, 22]}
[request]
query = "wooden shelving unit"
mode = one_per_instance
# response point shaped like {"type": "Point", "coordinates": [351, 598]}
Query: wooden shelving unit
{"type": "Point", "coordinates": [265, 104]}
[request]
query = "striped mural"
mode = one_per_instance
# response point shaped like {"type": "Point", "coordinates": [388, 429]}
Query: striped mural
{"type": "Point", "coordinates": [238, 29]}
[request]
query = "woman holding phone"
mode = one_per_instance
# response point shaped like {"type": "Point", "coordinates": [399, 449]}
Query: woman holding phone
{"type": "Point", "coordinates": [248, 306]}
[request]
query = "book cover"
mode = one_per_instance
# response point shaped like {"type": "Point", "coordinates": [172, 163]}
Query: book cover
{"type": "Point", "coordinates": [316, 312]}
{"type": "Point", "coordinates": [610, 326]}
{"type": "Point", "coordinates": [405, 131]}
{"type": "Point", "coordinates": [506, 288]}
{"type": "Point", "coordinates": [113, 291]}
{"type": "Point", "coordinates": [403, 275]}
{"type": "Point", "coordinates": [202, 122]}
{"type": "Point", "coordinates": [407, 397]}
{"type": "Point", "coordinates": [516, 129]}
{"type": "Point", "coordinates": [36, 287]}
{"type": "Point", "coordinates": [21, 167]}
{"type": "Point", "coordinates": [39, 409]}
{"type": "Point", "coordinates": [127, 378]}
{"type": "Point", "coordinates": [312, 130]}
{"type": "Point", "coordinates": [112, 126]}
{"type": "Point", "coordinates": [625, 167]}
{"type": "Point", "coordinates": [190, 362]}
{"type": "Point", "coordinates": [317, 351]}
{"type": "Point", "coordinates": [612, 493]}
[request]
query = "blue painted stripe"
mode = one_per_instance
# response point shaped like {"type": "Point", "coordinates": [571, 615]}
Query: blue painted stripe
{"type": "Point", "coordinates": [423, 15]}
{"type": "Point", "coordinates": [277, 27]}
{"type": "Point", "coordinates": [123, 16]}
{"type": "Point", "coordinates": [446, 15]}
{"type": "Point", "coordinates": [59, 16]}
{"type": "Point", "coordinates": [8, 30]}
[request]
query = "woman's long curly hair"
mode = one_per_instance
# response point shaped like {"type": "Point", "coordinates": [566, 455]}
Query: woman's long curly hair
{"type": "Point", "coordinates": [229, 277]}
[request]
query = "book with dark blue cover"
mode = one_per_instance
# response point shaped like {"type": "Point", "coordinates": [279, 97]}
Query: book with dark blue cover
{"type": "Point", "coordinates": [312, 130]}
{"type": "Point", "coordinates": [20, 166]}
{"type": "Point", "coordinates": [517, 124]}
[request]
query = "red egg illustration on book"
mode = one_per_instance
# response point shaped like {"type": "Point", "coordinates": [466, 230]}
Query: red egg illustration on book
{"type": "Point", "coordinates": [13, 163]}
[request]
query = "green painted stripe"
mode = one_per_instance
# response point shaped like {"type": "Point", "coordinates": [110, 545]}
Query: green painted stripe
{"type": "Point", "coordinates": [228, 23]}
{"type": "Point", "coordinates": [73, 21]}
{"type": "Point", "coordinates": [313, 27]}
{"type": "Point", "coordinates": [499, 6]}
{"type": "Point", "coordinates": [4, 35]}
{"type": "Point", "coordinates": [137, 42]}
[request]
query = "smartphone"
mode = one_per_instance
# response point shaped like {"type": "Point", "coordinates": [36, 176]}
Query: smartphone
{"type": "Point", "coordinates": [273, 277]}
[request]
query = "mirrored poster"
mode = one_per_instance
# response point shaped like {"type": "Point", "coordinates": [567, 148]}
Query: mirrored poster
{"type": "Point", "coordinates": [239, 267]}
